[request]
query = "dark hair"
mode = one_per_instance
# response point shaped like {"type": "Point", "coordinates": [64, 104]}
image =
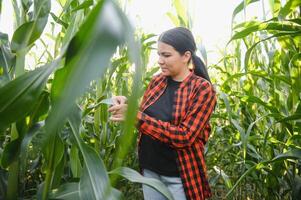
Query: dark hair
{"type": "Point", "coordinates": [182, 40]}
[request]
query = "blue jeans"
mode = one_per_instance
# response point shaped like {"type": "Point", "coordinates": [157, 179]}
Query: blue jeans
{"type": "Point", "coordinates": [174, 184]}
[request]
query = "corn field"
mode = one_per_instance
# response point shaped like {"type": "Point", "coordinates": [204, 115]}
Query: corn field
{"type": "Point", "coordinates": [56, 140]}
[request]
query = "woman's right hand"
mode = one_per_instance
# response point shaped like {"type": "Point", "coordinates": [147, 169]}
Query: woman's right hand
{"type": "Point", "coordinates": [118, 109]}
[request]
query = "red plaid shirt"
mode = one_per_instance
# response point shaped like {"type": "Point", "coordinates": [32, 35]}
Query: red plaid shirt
{"type": "Point", "coordinates": [188, 132]}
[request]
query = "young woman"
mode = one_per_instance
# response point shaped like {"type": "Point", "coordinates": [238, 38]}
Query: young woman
{"type": "Point", "coordinates": [173, 120]}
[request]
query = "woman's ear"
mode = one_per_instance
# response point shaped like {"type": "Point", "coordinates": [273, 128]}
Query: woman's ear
{"type": "Point", "coordinates": [187, 57]}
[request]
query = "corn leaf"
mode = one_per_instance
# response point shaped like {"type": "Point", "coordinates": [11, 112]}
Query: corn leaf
{"type": "Point", "coordinates": [275, 7]}
{"type": "Point", "coordinates": [87, 58]}
{"type": "Point", "coordinates": [241, 6]}
{"type": "Point", "coordinates": [6, 57]}
{"type": "Point", "coordinates": [292, 154]}
{"type": "Point", "coordinates": [280, 34]}
{"type": "Point", "coordinates": [19, 96]}
{"type": "Point", "coordinates": [94, 182]}
{"type": "Point", "coordinates": [289, 7]}
{"type": "Point", "coordinates": [135, 177]}
{"type": "Point", "coordinates": [267, 26]}
{"type": "Point", "coordinates": [67, 191]}
{"type": "Point", "coordinates": [29, 32]}
{"type": "Point", "coordinates": [84, 5]}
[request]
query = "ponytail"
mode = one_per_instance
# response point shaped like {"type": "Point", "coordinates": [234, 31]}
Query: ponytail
{"type": "Point", "coordinates": [200, 68]}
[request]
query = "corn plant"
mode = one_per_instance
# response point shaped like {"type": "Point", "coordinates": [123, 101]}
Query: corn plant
{"type": "Point", "coordinates": [55, 138]}
{"type": "Point", "coordinates": [55, 135]}
{"type": "Point", "coordinates": [255, 148]}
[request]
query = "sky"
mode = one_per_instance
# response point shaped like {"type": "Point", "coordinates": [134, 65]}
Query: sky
{"type": "Point", "coordinates": [212, 18]}
{"type": "Point", "coordinates": [211, 25]}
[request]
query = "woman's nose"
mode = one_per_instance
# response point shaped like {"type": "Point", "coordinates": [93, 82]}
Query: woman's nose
{"type": "Point", "coordinates": [160, 61]}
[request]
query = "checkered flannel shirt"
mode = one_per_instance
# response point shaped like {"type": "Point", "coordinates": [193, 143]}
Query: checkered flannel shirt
{"type": "Point", "coordinates": [194, 102]}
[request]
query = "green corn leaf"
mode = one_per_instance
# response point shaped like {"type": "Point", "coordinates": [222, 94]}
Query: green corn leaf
{"type": "Point", "coordinates": [245, 140]}
{"type": "Point", "coordinates": [173, 18]}
{"type": "Point", "coordinates": [70, 191]}
{"type": "Point", "coordinates": [130, 118]}
{"type": "Point", "coordinates": [76, 167]}
{"type": "Point", "coordinates": [293, 139]}
{"type": "Point", "coordinates": [240, 179]}
{"type": "Point", "coordinates": [281, 34]}
{"type": "Point", "coordinates": [224, 176]}
{"type": "Point", "coordinates": [267, 26]}
{"type": "Point", "coordinates": [291, 118]}
{"type": "Point", "coordinates": [19, 96]}
{"type": "Point", "coordinates": [293, 154]}
{"type": "Point", "coordinates": [289, 7]}
{"type": "Point", "coordinates": [41, 108]}
{"type": "Point", "coordinates": [241, 6]}
{"type": "Point", "coordinates": [34, 130]}
{"type": "Point", "coordinates": [85, 4]}
{"type": "Point", "coordinates": [135, 177]}
{"type": "Point", "coordinates": [239, 128]}
{"type": "Point", "coordinates": [58, 20]}
{"type": "Point", "coordinates": [67, 191]}
{"type": "Point", "coordinates": [94, 182]}
{"type": "Point", "coordinates": [10, 152]}
{"type": "Point", "coordinates": [254, 99]}
{"type": "Point", "coordinates": [53, 152]}
{"type": "Point", "coordinates": [59, 171]}
{"type": "Point", "coordinates": [29, 32]}
{"type": "Point", "coordinates": [296, 20]}
{"type": "Point", "coordinates": [6, 57]}
{"type": "Point", "coordinates": [180, 8]}
{"type": "Point", "coordinates": [296, 193]}
{"type": "Point", "coordinates": [246, 24]}
{"type": "Point", "coordinates": [25, 35]}
{"type": "Point", "coordinates": [87, 58]}
{"type": "Point", "coordinates": [275, 7]}
{"type": "Point", "coordinates": [224, 97]}
{"type": "Point", "coordinates": [41, 9]}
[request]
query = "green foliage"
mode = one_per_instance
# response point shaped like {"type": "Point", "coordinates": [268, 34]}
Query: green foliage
{"type": "Point", "coordinates": [135, 177]}
{"type": "Point", "coordinates": [182, 17]}
{"type": "Point", "coordinates": [30, 31]}
{"type": "Point", "coordinates": [256, 125]}
{"type": "Point", "coordinates": [55, 137]}
{"type": "Point", "coordinates": [20, 95]}
{"type": "Point", "coordinates": [47, 140]}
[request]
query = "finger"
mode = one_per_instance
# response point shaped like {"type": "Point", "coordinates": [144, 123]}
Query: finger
{"type": "Point", "coordinates": [122, 99]}
{"type": "Point", "coordinates": [116, 119]}
{"type": "Point", "coordinates": [111, 109]}
{"type": "Point", "coordinates": [119, 100]}
{"type": "Point", "coordinates": [119, 111]}
{"type": "Point", "coordinates": [114, 108]}
{"type": "Point", "coordinates": [118, 115]}
{"type": "Point", "coordinates": [118, 108]}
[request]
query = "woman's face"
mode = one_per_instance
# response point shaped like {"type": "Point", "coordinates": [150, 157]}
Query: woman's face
{"type": "Point", "coordinates": [172, 63]}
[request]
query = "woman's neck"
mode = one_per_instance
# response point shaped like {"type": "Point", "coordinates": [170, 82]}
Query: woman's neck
{"type": "Point", "coordinates": [181, 76]}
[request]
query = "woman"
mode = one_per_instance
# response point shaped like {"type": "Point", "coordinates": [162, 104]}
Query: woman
{"type": "Point", "coordinates": [174, 119]}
